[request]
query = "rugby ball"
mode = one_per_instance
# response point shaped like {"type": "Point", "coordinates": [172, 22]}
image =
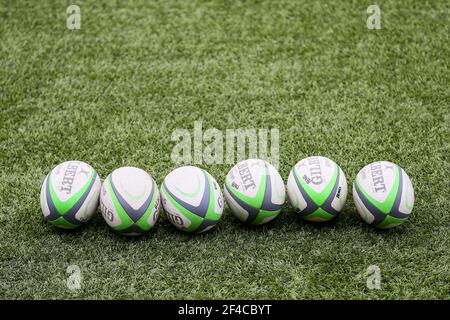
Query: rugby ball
{"type": "Point", "coordinates": [69, 194]}
{"type": "Point", "coordinates": [192, 199]}
{"type": "Point", "coordinates": [255, 191]}
{"type": "Point", "coordinates": [383, 194]}
{"type": "Point", "coordinates": [129, 201]}
{"type": "Point", "coordinates": [317, 188]}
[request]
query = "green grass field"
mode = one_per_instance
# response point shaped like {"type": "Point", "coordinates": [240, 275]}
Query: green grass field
{"type": "Point", "coordinates": [112, 93]}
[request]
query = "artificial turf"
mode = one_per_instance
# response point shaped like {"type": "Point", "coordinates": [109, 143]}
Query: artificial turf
{"type": "Point", "coordinates": [112, 93]}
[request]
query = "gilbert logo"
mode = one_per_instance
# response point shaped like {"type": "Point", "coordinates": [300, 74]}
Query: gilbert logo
{"type": "Point", "coordinates": [377, 177]}
{"type": "Point", "coordinates": [246, 176]}
{"type": "Point", "coordinates": [69, 176]}
{"type": "Point", "coordinates": [315, 170]}
{"type": "Point", "coordinates": [175, 219]}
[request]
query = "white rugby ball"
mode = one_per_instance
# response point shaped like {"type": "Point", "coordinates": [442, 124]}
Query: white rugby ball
{"type": "Point", "coordinates": [383, 194]}
{"type": "Point", "coordinates": [69, 194]}
{"type": "Point", "coordinates": [255, 191]}
{"type": "Point", "coordinates": [130, 201]}
{"type": "Point", "coordinates": [317, 188]}
{"type": "Point", "coordinates": [192, 199]}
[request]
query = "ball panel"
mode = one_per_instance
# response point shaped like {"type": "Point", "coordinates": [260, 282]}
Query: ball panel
{"type": "Point", "coordinates": [277, 189]}
{"type": "Point", "coordinates": [120, 219]}
{"type": "Point", "coordinates": [199, 206]}
{"type": "Point", "coordinates": [377, 214]}
{"type": "Point", "coordinates": [378, 179]}
{"type": "Point", "coordinates": [395, 212]}
{"type": "Point", "coordinates": [295, 196]}
{"type": "Point", "coordinates": [90, 206]}
{"type": "Point", "coordinates": [178, 214]}
{"type": "Point", "coordinates": [255, 201]}
{"type": "Point", "coordinates": [246, 175]}
{"type": "Point", "coordinates": [318, 172]}
{"type": "Point", "coordinates": [68, 208]}
{"type": "Point", "coordinates": [247, 181]}
{"type": "Point", "coordinates": [390, 222]}
{"type": "Point", "coordinates": [43, 199]}
{"type": "Point", "coordinates": [148, 219]}
{"type": "Point", "coordinates": [311, 206]}
{"type": "Point", "coordinates": [406, 202]}
{"type": "Point", "coordinates": [215, 208]}
{"type": "Point", "coordinates": [237, 210]}
{"type": "Point", "coordinates": [132, 230]}
{"type": "Point", "coordinates": [134, 188]}
{"type": "Point", "coordinates": [340, 196]}
{"type": "Point", "coordinates": [379, 182]}
{"type": "Point", "coordinates": [63, 223]}
{"type": "Point", "coordinates": [319, 215]}
{"type": "Point", "coordinates": [68, 178]}
{"type": "Point", "coordinates": [68, 183]}
{"type": "Point", "coordinates": [153, 217]}
{"type": "Point", "coordinates": [325, 186]}
{"type": "Point", "coordinates": [109, 212]}
{"type": "Point", "coordinates": [265, 216]}
{"type": "Point", "coordinates": [275, 192]}
{"type": "Point", "coordinates": [317, 183]}
{"type": "Point", "coordinates": [326, 207]}
{"type": "Point", "coordinates": [187, 184]}
{"type": "Point", "coordinates": [206, 225]}
{"type": "Point", "coordinates": [361, 209]}
{"type": "Point", "coordinates": [251, 212]}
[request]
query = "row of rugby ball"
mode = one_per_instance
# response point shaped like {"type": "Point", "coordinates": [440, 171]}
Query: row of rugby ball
{"type": "Point", "coordinates": [254, 190]}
